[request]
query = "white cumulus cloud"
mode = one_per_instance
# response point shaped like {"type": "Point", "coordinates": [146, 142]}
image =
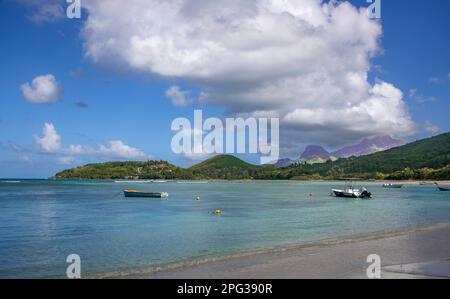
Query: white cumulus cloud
{"type": "Point", "coordinates": [119, 149]}
{"type": "Point", "coordinates": [50, 142]}
{"type": "Point", "coordinates": [178, 97]}
{"type": "Point", "coordinates": [42, 90]}
{"type": "Point", "coordinates": [306, 61]}
{"type": "Point", "coordinates": [113, 149]}
{"type": "Point", "coordinates": [66, 160]}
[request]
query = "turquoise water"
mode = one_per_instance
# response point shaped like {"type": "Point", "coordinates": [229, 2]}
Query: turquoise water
{"type": "Point", "coordinates": [42, 222]}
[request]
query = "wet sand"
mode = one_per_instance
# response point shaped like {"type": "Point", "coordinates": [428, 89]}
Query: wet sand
{"type": "Point", "coordinates": [415, 253]}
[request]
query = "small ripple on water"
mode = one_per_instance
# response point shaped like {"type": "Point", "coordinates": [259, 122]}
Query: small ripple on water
{"type": "Point", "coordinates": [111, 233]}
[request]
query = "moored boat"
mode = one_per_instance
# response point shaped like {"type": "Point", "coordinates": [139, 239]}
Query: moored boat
{"type": "Point", "coordinates": [395, 186]}
{"type": "Point", "coordinates": [443, 188]}
{"type": "Point", "coordinates": [351, 192]}
{"type": "Point", "coordinates": [137, 193]}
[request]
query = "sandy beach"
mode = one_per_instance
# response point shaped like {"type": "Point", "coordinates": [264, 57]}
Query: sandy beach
{"type": "Point", "coordinates": [414, 253]}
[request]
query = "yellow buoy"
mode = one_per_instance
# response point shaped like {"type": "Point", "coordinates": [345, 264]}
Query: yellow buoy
{"type": "Point", "coordinates": [218, 212]}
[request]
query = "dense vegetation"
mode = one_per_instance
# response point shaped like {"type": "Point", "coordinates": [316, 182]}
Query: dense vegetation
{"type": "Point", "coordinates": [126, 170]}
{"type": "Point", "coordinates": [228, 168]}
{"type": "Point", "coordinates": [424, 159]}
{"type": "Point", "coordinates": [427, 159]}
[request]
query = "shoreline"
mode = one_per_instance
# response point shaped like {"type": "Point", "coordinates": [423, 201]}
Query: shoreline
{"type": "Point", "coordinates": [403, 182]}
{"type": "Point", "coordinates": [403, 253]}
{"type": "Point", "coordinates": [269, 263]}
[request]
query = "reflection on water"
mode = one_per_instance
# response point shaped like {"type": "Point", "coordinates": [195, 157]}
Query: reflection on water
{"type": "Point", "coordinates": [41, 222]}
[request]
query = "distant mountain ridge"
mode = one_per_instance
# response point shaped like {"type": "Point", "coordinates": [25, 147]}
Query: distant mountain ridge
{"type": "Point", "coordinates": [369, 146]}
{"type": "Point", "coordinates": [282, 163]}
{"type": "Point", "coordinates": [425, 155]}
{"type": "Point", "coordinates": [317, 154]}
{"type": "Point", "coordinates": [426, 159]}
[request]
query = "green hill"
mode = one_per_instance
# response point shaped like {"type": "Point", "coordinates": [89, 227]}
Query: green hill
{"type": "Point", "coordinates": [223, 161]}
{"type": "Point", "coordinates": [225, 167]}
{"type": "Point", "coordinates": [125, 170]}
{"type": "Point", "coordinates": [423, 159]}
{"type": "Point", "coordinates": [433, 152]}
{"type": "Point", "coordinates": [219, 167]}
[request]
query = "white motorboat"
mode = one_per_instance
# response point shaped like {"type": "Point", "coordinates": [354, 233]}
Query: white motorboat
{"type": "Point", "coordinates": [351, 192]}
{"type": "Point", "coordinates": [392, 186]}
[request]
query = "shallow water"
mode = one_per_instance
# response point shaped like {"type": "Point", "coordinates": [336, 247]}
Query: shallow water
{"type": "Point", "coordinates": [42, 222]}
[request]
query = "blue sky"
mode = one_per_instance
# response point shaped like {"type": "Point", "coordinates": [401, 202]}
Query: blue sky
{"type": "Point", "coordinates": [125, 100]}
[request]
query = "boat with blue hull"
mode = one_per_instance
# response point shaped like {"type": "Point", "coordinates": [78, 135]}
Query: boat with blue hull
{"type": "Point", "coordinates": [144, 194]}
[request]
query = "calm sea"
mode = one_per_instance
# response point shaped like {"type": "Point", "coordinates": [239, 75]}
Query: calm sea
{"type": "Point", "coordinates": [42, 222]}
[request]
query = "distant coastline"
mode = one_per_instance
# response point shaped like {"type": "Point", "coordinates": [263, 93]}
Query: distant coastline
{"type": "Point", "coordinates": [423, 160]}
{"type": "Point", "coordinates": [402, 182]}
